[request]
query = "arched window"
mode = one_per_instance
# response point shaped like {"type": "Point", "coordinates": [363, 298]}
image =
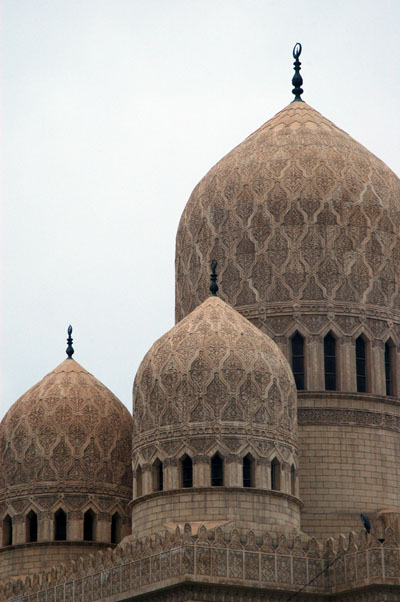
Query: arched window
{"type": "Point", "coordinates": [217, 470]}
{"type": "Point", "coordinates": [31, 526]}
{"type": "Point", "coordinates": [248, 471]}
{"type": "Point", "coordinates": [158, 477]}
{"type": "Point", "coordinates": [275, 475]}
{"type": "Point", "coordinates": [330, 362]}
{"type": "Point", "coordinates": [361, 365]}
{"type": "Point", "coordinates": [187, 471]}
{"type": "Point", "coordinates": [297, 348]}
{"type": "Point", "coordinates": [138, 481]}
{"type": "Point", "coordinates": [89, 524]}
{"type": "Point", "coordinates": [389, 367]}
{"type": "Point", "coordinates": [116, 528]}
{"type": "Point", "coordinates": [60, 525]}
{"type": "Point", "coordinates": [293, 480]}
{"type": "Point", "coordinates": [7, 531]}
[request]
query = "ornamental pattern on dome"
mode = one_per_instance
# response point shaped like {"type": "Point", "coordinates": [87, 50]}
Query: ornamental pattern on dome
{"type": "Point", "coordinates": [298, 213]}
{"type": "Point", "coordinates": [214, 373]}
{"type": "Point", "coordinates": [67, 428]}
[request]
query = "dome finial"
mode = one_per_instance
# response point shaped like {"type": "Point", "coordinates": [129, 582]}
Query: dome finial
{"type": "Point", "coordinates": [213, 278]}
{"type": "Point", "coordinates": [297, 80]}
{"type": "Point", "coordinates": [69, 350]}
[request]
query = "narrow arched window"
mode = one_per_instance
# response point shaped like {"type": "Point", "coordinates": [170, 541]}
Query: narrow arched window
{"type": "Point", "coordinates": [293, 480]}
{"type": "Point", "coordinates": [60, 525]}
{"type": "Point", "coordinates": [389, 367]}
{"type": "Point", "coordinates": [89, 519]}
{"type": "Point", "coordinates": [217, 470]}
{"type": "Point", "coordinates": [31, 526]}
{"type": "Point", "coordinates": [187, 471]}
{"type": "Point", "coordinates": [138, 481]}
{"type": "Point", "coordinates": [7, 531]}
{"type": "Point", "coordinates": [297, 348]}
{"type": "Point", "coordinates": [248, 471]}
{"type": "Point", "coordinates": [275, 475]}
{"type": "Point", "coordinates": [116, 528]}
{"type": "Point", "coordinates": [158, 477]}
{"type": "Point", "coordinates": [330, 362]}
{"type": "Point", "coordinates": [361, 365]}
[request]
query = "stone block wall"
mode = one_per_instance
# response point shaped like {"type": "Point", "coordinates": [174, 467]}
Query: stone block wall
{"type": "Point", "coordinates": [257, 509]}
{"type": "Point", "coordinates": [349, 450]}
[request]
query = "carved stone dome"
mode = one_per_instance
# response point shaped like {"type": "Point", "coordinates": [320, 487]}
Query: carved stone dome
{"type": "Point", "coordinates": [214, 400]}
{"type": "Point", "coordinates": [302, 220]}
{"type": "Point", "coordinates": [214, 377]}
{"type": "Point", "coordinates": [67, 434]}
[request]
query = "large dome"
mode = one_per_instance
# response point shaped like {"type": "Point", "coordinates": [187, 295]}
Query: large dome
{"type": "Point", "coordinates": [302, 219]}
{"type": "Point", "coordinates": [68, 433]}
{"type": "Point", "coordinates": [213, 377]}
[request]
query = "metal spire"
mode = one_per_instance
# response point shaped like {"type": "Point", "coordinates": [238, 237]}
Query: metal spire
{"type": "Point", "coordinates": [213, 278]}
{"type": "Point", "coordinates": [69, 350]}
{"type": "Point", "coordinates": [297, 80]}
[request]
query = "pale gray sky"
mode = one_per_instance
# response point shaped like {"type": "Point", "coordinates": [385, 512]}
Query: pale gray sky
{"type": "Point", "coordinates": [111, 113]}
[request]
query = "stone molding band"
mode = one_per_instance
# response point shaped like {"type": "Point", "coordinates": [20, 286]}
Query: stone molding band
{"type": "Point", "coordinates": [348, 417]}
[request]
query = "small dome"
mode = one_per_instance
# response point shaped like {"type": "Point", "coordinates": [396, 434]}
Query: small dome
{"type": "Point", "coordinates": [214, 377]}
{"type": "Point", "coordinates": [299, 213]}
{"type": "Point", "coordinates": [68, 433]}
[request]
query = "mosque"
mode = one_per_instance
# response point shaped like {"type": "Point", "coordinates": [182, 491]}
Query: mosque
{"type": "Point", "coordinates": [262, 459]}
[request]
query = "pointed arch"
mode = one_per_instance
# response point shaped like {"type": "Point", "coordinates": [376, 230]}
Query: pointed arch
{"type": "Point", "coordinates": [275, 475]}
{"type": "Point", "coordinates": [157, 475]}
{"type": "Point", "coordinates": [248, 467]}
{"type": "Point", "coordinates": [390, 367]}
{"type": "Point", "coordinates": [298, 360]}
{"type": "Point", "coordinates": [60, 525]}
{"type": "Point", "coordinates": [89, 525]}
{"type": "Point", "coordinates": [139, 481]}
{"type": "Point", "coordinates": [116, 525]}
{"type": "Point", "coordinates": [7, 531]}
{"type": "Point", "coordinates": [31, 526]}
{"type": "Point", "coordinates": [293, 479]}
{"type": "Point", "coordinates": [361, 363]}
{"type": "Point", "coordinates": [330, 362]}
{"type": "Point", "coordinates": [186, 465]}
{"type": "Point", "coordinates": [217, 470]}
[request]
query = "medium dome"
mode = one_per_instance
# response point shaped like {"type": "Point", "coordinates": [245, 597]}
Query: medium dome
{"type": "Point", "coordinates": [68, 430]}
{"type": "Point", "coordinates": [213, 376]}
{"type": "Point", "coordinates": [300, 218]}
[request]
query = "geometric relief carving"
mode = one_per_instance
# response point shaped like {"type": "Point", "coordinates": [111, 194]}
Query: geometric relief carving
{"type": "Point", "coordinates": [49, 427]}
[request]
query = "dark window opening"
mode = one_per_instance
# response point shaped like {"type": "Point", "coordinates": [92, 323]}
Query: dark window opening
{"type": "Point", "coordinates": [248, 471]}
{"type": "Point", "coordinates": [31, 526]}
{"type": "Point", "coordinates": [115, 528]}
{"type": "Point", "coordinates": [389, 368]}
{"type": "Point", "coordinates": [7, 531]}
{"type": "Point", "coordinates": [158, 477]}
{"type": "Point", "coordinates": [217, 470]}
{"type": "Point", "coordinates": [275, 475]}
{"type": "Point", "coordinates": [89, 525]}
{"type": "Point", "coordinates": [330, 362]}
{"type": "Point", "coordinates": [60, 525]}
{"type": "Point", "coordinates": [138, 482]}
{"type": "Point", "coordinates": [293, 480]}
{"type": "Point", "coordinates": [361, 365]}
{"type": "Point", "coordinates": [187, 472]}
{"type": "Point", "coordinates": [297, 343]}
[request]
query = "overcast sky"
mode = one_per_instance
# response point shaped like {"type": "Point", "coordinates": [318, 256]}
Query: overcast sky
{"type": "Point", "coordinates": [112, 111]}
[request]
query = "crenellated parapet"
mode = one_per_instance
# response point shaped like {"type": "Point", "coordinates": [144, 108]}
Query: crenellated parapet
{"type": "Point", "coordinates": [278, 565]}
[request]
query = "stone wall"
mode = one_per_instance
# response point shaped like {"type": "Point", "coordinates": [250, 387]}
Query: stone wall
{"type": "Point", "coordinates": [350, 445]}
{"type": "Point", "coordinates": [272, 569]}
{"type": "Point", "coordinates": [257, 509]}
{"type": "Point", "coordinates": [30, 558]}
